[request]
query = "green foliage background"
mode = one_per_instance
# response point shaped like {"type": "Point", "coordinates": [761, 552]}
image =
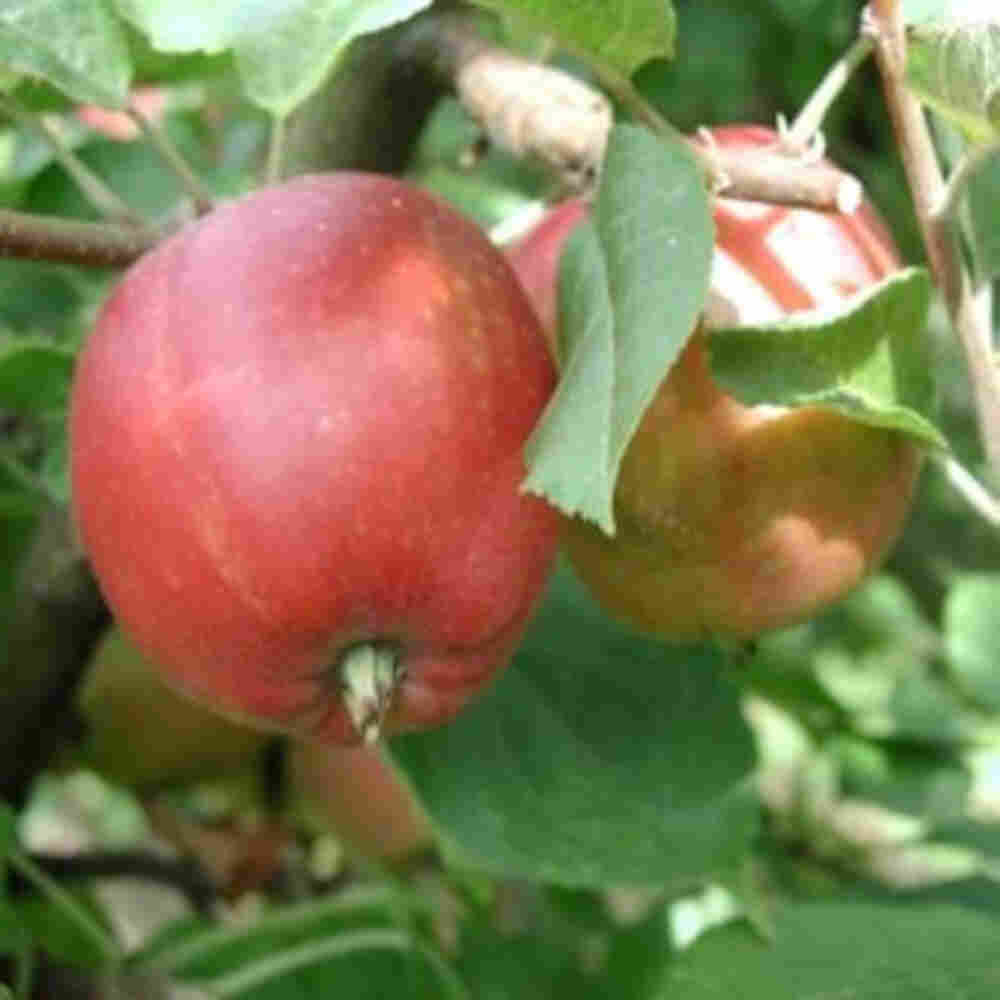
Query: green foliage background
{"type": "Point", "coordinates": [597, 812]}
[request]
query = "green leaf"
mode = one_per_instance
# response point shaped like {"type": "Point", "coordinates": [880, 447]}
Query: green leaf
{"type": "Point", "coordinates": [77, 47]}
{"type": "Point", "coordinates": [631, 285]}
{"type": "Point", "coordinates": [621, 35]}
{"type": "Point", "coordinates": [193, 25]}
{"type": "Point", "coordinates": [869, 359]}
{"type": "Point", "coordinates": [598, 758]}
{"type": "Point", "coordinates": [984, 196]}
{"type": "Point", "coordinates": [953, 65]}
{"type": "Point", "coordinates": [834, 950]}
{"type": "Point", "coordinates": [284, 65]}
{"type": "Point", "coordinates": [34, 376]}
{"type": "Point", "coordinates": [342, 944]}
{"type": "Point", "coordinates": [283, 49]}
{"type": "Point", "coordinates": [972, 639]}
{"type": "Point", "coordinates": [53, 471]}
{"type": "Point", "coordinates": [198, 949]}
{"type": "Point", "coordinates": [8, 829]}
{"type": "Point", "coordinates": [60, 934]}
{"type": "Point", "coordinates": [915, 11]}
{"type": "Point", "coordinates": [903, 778]}
{"type": "Point", "coordinates": [14, 938]}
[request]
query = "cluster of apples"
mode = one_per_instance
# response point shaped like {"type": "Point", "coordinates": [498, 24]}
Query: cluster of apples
{"type": "Point", "coordinates": [297, 435]}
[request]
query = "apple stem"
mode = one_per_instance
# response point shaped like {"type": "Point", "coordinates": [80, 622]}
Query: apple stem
{"type": "Point", "coordinates": [369, 676]}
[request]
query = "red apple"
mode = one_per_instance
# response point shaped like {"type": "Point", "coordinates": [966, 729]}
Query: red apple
{"type": "Point", "coordinates": [361, 798]}
{"type": "Point", "coordinates": [296, 445]}
{"type": "Point", "coordinates": [736, 519]}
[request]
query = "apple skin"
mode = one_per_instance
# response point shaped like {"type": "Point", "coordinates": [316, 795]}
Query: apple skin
{"type": "Point", "coordinates": [358, 795]}
{"type": "Point", "coordinates": [732, 519]}
{"type": "Point", "coordinates": [297, 430]}
{"type": "Point", "coordinates": [141, 732]}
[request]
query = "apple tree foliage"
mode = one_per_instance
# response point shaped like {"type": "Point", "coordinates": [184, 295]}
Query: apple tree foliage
{"type": "Point", "coordinates": [818, 815]}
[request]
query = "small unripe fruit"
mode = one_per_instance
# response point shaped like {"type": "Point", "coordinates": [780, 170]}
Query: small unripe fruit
{"type": "Point", "coordinates": [735, 519]}
{"type": "Point", "coordinates": [141, 732]}
{"type": "Point", "coordinates": [361, 799]}
{"type": "Point", "coordinates": [296, 443]}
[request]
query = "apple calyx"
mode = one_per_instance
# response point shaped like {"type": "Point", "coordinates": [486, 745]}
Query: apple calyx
{"type": "Point", "coordinates": [370, 675]}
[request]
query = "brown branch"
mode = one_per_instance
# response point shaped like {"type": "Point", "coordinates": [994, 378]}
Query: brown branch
{"type": "Point", "coordinates": [783, 178]}
{"type": "Point", "coordinates": [972, 323]}
{"type": "Point", "coordinates": [184, 874]}
{"type": "Point", "coordinates": [529, 108]}
{"type": "Point", "coordinates": [87, 244]}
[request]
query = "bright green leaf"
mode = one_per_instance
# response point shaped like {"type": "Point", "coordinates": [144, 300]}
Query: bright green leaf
{"type": "Point", "coordinates": [916, 11]}
{"type": "Point", "coordinates": [283, 49]}
{"type": "Point", "coordinates": [282, 66]}
{"type": "Point", "coordinates": [953, 65]}
{"type": "Point", "coordinates": [77, 47]}
{"type": "Point", "coordinates": [630, 288]}
{"type": "Point", "coordinates": [868, 360]}
{"type": "Point", "coordinates": [598, 758]}
{"type": "Point", "coordinates": [621, 35]}
{"type": "Point", "coordinates": [193, 25]}
{"type": "Point", "coordinates": [972, 639]}
{"type": "Point", "coordinates": [841, 950]}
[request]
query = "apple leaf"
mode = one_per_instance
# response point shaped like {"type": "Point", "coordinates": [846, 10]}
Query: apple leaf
{"type": "Point", "coordinates": [34, 375]}
{"type": "Point", "coordinates": [632, 281]}
{"type": "Point", "coordinates": [953, 65]}
{"type": "Point", "coordinates": [984, 196]}
{"type": "Point", "coordinates": [598, 758]}
{"type": "Point", "coordinates": [284, 65]}
{"type": "Point", "coordinates": [77, 47]}
{"type": "Point", "coordinates": [972, 643]}
{"type": "Point", "coordinates": [14, 938]}
{"type": "Point", "coordinates": [916, 11]}
{"type": "Point", "coordinates": [868, 359]}
{"type": "Point", "coordinates": [8, 830]}
{"type": "Point", "coordinates": [845, 949]}
{"type": "Point", "coordinates": [347, 943]}
{"type": "Point", "coordinates": [621, 36]}
{"type": "Point", "coordinates": [283, 49]}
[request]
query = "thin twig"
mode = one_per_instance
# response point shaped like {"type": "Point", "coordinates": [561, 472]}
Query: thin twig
{"type": "Point", "coordinates": [773, 175]}
{"type": "Point", "coordinates": [93, 188]}
{"type": "Point", "coordinates": [88, 244]}
{"type": "Point", "coordinates": [565, 122]}
{"type": "Point", "coordinates": [810, 119]}
{"type": "Point", "coordinates": [883, 22]}
{"type": "Point", "coordinates": [69, 907]}
{"type": "Point", "coordinates": [969, 162]}
{"type": "Point", "coordinates": [194, 187]}
{"type": "Point", "coordinates": [971, 490]}
{"type": "Point", "coordinates": [180, 873]}
{"type": "Point", "coordinates": [276, 149]}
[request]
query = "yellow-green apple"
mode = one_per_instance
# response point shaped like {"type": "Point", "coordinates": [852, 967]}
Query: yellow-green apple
{"type": "Point", "coordinates": [735, 519]}
{"type": "Point", "coordinates": [141, 732]}
{"type": "Point", "coordinates": [296, 450]}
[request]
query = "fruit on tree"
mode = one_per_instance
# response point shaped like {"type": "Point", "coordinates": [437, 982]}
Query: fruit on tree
{"type": "Point", "coordinates": [141, 732]}
{"type": "Point", "coordinates": [357, 794]}
{"type": "Point", "coordinates": [733, 519]}
{"type": "Point", "coordinates": [296, 450]}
